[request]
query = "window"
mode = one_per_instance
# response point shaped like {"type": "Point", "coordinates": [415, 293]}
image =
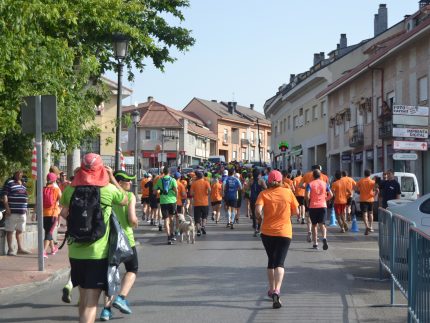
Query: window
{"type": "Point", "coordinates": [391, 100]}
{"type": "Point", "coordinates": [368, 116]}
{"type": "Point", "coordinates": [359, 117]}
{"type": "Point", "coordinates": [253, 138]}
{"type": "Point", "coordinates": [225, 135]}
{"type": "Point", "coordinates": [235, 136]}
{"type": "Point", "coordinates": [154, 134]}
{"type": "Point", "coordinates": [295, 121]}
{"type": "Point", "coordinates": [422, 90]}
{"type": "Point", "coordinates": [234, 154]}
{"type": "Point", "coordinates": [407, 184]}
{"type": "Point", "coordinates": [147, 134]}
{"type": "Point", "coordinates": [379, 105]}
{"type": "Point", "coordinates": [336, 129]}
{"type": "Point", "coordinates": [323, 109]}
{"type": "Point", "coordinates": [280, 127]}
{"type": "Point", "coordinates": [315, 112]}
{"type": "Point", "coordinates": [307, 116]}
{"type": "Point", "coordinates": [289, 122]}
{"type": "Point", "coordinates": [285, 124]}
{"type": "Point", "coordinates": [243, 155]}
{"type": "Point", "coordinates": [252, 154]}
{"type": "Point", "coordinates": [243, 135]}
{"type": "Point", "coordinates": [301, 112]}
{"type": "Point", "coordinates": [261, 137]}
{"type": "Point", "coordinates": [346, 124]}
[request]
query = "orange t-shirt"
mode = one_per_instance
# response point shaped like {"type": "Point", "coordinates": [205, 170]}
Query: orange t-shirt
{"type": "Point", "coordinates": [288, 183]}
{"type": "Point", "coordinates": [216, 192]}
{"type": "Point", "coordinates": [182, 193]}
{"type": "Point", "coordinates": [299, 191]}
{"type": "Point", "coordinates": [341, 192]}
{"type": "Point", "coordinates": [199, 192]}
{"type": "Point", "coordinates": [307, 178]}
{"type": "Point", "coordinates": [324, 178]}
{"type": "Point", "coordinates": [54, 210]}
{"type": "Point", "coordinates": [145, 190]}
{"type": "Point", "coordinates": [278, 204]}
{"type": "Point", "coordinates": [155, 182]}
{"type": "Point", "coordinates": [366, 187]}
{"type": "Point", "coordinates": [349, 182]}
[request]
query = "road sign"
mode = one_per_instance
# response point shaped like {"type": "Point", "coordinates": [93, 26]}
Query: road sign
{"type": "Point", "coordinates": [411, 133]}
{"type": "Point", "coordinates": [162, 157]}
{"type": "Point", "coordinates": [409, 110]}
{"type": "Point", "coordinates": [410, 145]}
{"type": "Point", "coordinates": [405, 156]}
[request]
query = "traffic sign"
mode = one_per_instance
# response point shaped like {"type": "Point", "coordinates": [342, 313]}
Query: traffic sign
{"type": "Point", "coordinates": [420, 133]}
{"type": "Point", "coordinates": [405, 156]}
{"type": "Point", "coordinates": [410, 145]}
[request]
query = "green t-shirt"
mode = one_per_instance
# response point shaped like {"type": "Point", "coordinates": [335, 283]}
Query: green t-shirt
{"type": "Point", "coordinates": [109, 195]}
{"type": "Point", "coordinates": [170, 197]}
{"type": "Point", "coordinates": [121, 212]}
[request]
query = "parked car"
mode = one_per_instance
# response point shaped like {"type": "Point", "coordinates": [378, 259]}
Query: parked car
{"type": "Point", "coordinates": [216, 159]}
{"type": "Point", "coordinates": [417, 211]}
{"type": "Point", "coordinates": [154, 171]}
{"type": "Point", "coordinates": [408, 186]}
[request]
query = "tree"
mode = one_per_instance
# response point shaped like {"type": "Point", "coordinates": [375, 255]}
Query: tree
{"type": "Point", "coordinates": [63, 48]}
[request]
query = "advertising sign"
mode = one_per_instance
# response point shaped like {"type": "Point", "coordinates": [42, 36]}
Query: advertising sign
{"type": "Point", "coordinates": [410, 145]}
{"type": "Point", "coordinates": [410, 110]}
{"type": "Point", "coordinates": [411, 133]}
{"type": "Point", "coordinates": [405, 156]}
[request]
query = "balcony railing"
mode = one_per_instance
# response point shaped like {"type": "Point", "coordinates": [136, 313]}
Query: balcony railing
{"type": "Point", "coordinates": [385, 129]}
{"type": "Point", "coordinates": [356, 136]}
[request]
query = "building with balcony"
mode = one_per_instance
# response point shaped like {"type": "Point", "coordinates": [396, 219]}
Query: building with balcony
{"type": "Point", "coordinates": [183, 137]}
{"type": "Point", "coordinates": [361, 103]}
{"type": "Point", "coordinates": [243, 134]}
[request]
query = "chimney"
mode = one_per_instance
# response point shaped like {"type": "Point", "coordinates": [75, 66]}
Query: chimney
{"type": "Point", "coordinates": [343, 41]}
{"type": "Point", "coordinates": [381, 20]}
{"type": "Point", "coordinates": [251, 106]}
{"type": "Point", "coordinates": [322, 56]}
{"type": "Point", "coordinates": [423, 3]}
{"type": "Point", "coordinates": [214, 100]}
{"type": "Point", "coordinates": [316, 58]}
{"type": "Point", "coordinates": [234, 105]}
{"type": "Point", "coordinates": [292, 77]}
{"type": "Point", "coordinates": [150, 98]}
{"type": "Point", "coordinates": [230, 107]}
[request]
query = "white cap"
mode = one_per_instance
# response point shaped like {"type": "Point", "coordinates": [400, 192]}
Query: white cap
{"type": "Point", "coordinates": [225, 172]}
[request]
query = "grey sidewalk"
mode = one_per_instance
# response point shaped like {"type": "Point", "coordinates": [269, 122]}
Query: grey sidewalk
{"type": "Point", "coordinates": [222, 278]}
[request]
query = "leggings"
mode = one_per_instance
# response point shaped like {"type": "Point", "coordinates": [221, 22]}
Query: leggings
{"type": "Point", "coordinates": [276, 249]}
{"type": "Point", "coordinates": [49, 223]}
{"type": "Point", "coordinates": [255, 224]}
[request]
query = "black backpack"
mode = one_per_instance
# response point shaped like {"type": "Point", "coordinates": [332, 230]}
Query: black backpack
{"type": "Point", "coordinates": [85, 222]}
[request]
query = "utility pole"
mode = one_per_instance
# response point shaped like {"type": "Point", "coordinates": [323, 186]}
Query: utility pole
{"type": "Point", "coordinates": [259, 141]}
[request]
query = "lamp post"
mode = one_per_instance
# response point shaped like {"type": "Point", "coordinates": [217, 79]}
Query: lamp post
{"type": "Point", "coordinates": [163, 131]}
{"type": "Point", "coordinates": [120, 48]}
{"type": "Point", "coordinates": [135, 115]}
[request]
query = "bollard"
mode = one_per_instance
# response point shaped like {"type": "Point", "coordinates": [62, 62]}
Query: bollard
{"type": "Point", "coordinates": [333, 222]}
{"type": "Point", "coordinates": [354, 226]}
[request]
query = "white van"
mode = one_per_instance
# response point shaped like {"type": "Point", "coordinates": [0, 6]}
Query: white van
{"type": "Point", "coordinates": [216, 159]}
{"type": "Point", "coordinates": [408, 187]}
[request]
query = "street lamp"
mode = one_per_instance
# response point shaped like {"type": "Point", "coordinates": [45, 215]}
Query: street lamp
{"type": "Point", "coordinates": [135, 116]}
{"type": "Point", "coordinates": [120, 47]}
{"type": "Point", "coordinates": [163, 132]}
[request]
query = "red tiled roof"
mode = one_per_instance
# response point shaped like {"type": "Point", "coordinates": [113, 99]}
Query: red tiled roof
{"type": "Point", "coordinates": [359, 69]}
{"type": "Point", "coordinates": [201, 131]}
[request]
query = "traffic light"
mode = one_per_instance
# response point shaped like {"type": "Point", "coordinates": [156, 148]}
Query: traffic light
{"type": "Point", "coordinates": [283, 146]}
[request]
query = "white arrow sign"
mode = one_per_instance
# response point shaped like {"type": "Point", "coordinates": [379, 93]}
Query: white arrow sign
{"type": "Point", "coordinates": [405, 156]}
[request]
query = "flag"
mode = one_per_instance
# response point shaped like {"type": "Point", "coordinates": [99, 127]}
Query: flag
{"type": "Point", "coordinates": [34, 163]}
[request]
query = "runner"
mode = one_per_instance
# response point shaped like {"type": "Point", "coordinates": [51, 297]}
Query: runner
{"type": "Point", "coordinates": [145, 199]}
{"type": "Point", "coordinates": [286, 180]}
{"type": "Point", "coordinates": [231, 188]}
{"type": "Point", "coordinates": [200, 190]}
{"type": "Point", "coordinates": [180, 199]}
{"type": "Point", "coordinates": [300, 196]}
{"type": "Point", "coordinates": [278, 204]}
{"type": "Point", "coordinates": [257, 185]}
{"type": "Point", "coordinates": [367, 189]}
{"type": "Point", "coordinates": [341, 193]}
{"type": "Point", "coordinates": [239, 199]}
{"type": "Point", "coordinates": [351, 184]}
{"type": "Point", "coordinates": [216, 198]}
{"type": "Point", "coordinates": [317, 194]}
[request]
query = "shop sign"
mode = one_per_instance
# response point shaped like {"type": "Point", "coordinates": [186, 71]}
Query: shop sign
{"type": "Point", "coordinates": [369, 154]}
{"type": "Point", "coordinates": [346, 158]}
{"type": "Point", "coordinates": [358, 157]}
{"type": "Point", "coordinates": [411, 133]}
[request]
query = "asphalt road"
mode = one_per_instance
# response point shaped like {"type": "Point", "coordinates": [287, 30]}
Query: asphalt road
{"type": "Point", "coordinates": [222, 278]}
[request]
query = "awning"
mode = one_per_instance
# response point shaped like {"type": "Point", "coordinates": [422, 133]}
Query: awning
{"type": "Point", "coordinates": [296, 150]}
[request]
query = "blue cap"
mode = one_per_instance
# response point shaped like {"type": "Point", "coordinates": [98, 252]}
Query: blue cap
{"type": "Point", "coordinates": [177, 175]}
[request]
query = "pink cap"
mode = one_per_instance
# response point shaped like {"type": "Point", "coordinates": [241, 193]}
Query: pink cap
{"type": "Point", "coordinates": [51, 177]}
{"type": "Point", "coordinates": [275, 176]}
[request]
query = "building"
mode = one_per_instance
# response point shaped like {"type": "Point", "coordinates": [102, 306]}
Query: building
{"type": "Point", "coordinates": [243, 134]}
{"type": "Point", "coordinates": [369, 124]}
{"type": "Point", "coordinates": [182, 137]}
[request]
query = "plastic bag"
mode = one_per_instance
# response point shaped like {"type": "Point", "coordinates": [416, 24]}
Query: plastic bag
{"type": "Point", "coordinates": [119, 246]}
{"type": "Point", "coordinates": [114, 280]}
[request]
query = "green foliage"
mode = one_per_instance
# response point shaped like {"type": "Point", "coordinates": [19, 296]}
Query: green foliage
{"type": "Point", "coordinates": [63, 47]}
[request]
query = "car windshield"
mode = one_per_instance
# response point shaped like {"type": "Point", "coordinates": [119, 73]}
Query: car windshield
{"type": "Point", "coordinates": [425, 206]}
{"type": "Point", "coordinates": [407, 184]}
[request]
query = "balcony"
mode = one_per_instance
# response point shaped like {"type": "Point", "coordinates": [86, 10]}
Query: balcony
{"type": "Point", "coordinates": [356, 136]}
{"type": "Point", "coordinates": [386, 129]}
{"type": "Point", "coordinates": [244, 142]}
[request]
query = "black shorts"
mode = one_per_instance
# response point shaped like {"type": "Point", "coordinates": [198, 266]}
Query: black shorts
{"type": "Point", "coordinates": [153, 203]}
{"type": "Point", "coordinates": [301, 200]}
{"type": "Point", "coordinates": [168, 209]}
{"type": "Point", "coordinates": [179, 209]}
{"type": "Point", "coordinates": [49, 223]}
{"type": "Point", "coordinates": [89, 273]}
{"type": "Point", "coordinates": [200, 212]}
{"type": "Point", "coordinates": [276, 250]}
{"type": "Point", "coordinates": [215, 203]}
{"type": "Point", "coordinates": [158, 200]}
{"type": "Point", "coordinates": [318, 215]}
{"type": "Point", "coordinates": [132, 265]}
{"type": "Point", "coordinates": [144, 200]}
{"type": "Point", "coordinates": [231, 203]}
{"type": "Point", "coordinates": [366, 207]}
{"type": "Point", "coordinates": [239, 202]}
{"type": "Point", "coordinates": [349, 201]}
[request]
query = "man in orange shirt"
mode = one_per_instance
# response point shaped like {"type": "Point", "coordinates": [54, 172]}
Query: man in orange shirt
{"type": "Point", "coordinates": [51, 210]}
{"type": "Point", "coordinates": [367, 189]}
{"type": "Point", "coordinates": [145, 198]}
{"type": "Point", "coordinates": [216, 197]}
{"type": "Point", "coordinates": [300, 196]}
{"type": "Point", "coordinates": [351, 184]}
{"type": "Point", "coordinates": [180, 199]}
{"type": "Point", "coordinates": [200, 190]}
{"type": "Point", "coordinates": [286, 181]}
{"type": "Point", "coordinates": [341, 193]}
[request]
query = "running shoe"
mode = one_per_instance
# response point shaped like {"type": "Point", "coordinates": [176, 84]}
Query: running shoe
{"type": "Point", "coordinates": [231, 226]}
{"type": "Point", "coordinates": [371, 230]}
{"type": "Point", "coordinates": [309, 238]}
{"type": "Point", "coordinates": [366, 232]}
{"type": "Point", "coordinates": [199, 233]}
{"type": "Point", "coordinates": [160, 227]}
{"type": "Point", "coordinates": [255, 233]}
{"type": "Point", "coordinates": [346, 227]}
{"type": "Point", "coordinates": [53, 252]}
{"type": "Point", "coordinates": [203, 230]}
{"type": "Point", "coordinates": [325, 245]}
{"type": "Point", "coordinates": [172, 237]}
{"type": "Point", "coordinates": [45, 255]}
{"type": "Point", "coordinates": [276, 300]}
{"type": "Point", "coordinates": [169, 242]}
{"type": "Point", "coordinates": [228, 225]}
{"type": "Point", "coordinates": [67, 294]}
{"type": "Point", "coordinates": [121, 304]}
{"type": "Point", "coordinates": [303, 221]}
{"type": "Point", "coordinates": [152, 222]}
{"type": "Point", "coordinates": [315, 246]}
{"type": "Point", "coordinates": [106, 314]}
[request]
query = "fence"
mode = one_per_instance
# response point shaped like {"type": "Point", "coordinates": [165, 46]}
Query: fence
{"type": "Point", "coordinates": [419, 277]}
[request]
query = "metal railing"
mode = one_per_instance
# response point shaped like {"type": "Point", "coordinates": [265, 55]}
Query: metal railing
{"type": "Point", "coordinates": [385, 234]}
{"type": "Point", "coordinates": [356, 136]}
{"type": "Point", "coordinates": [419, 277]}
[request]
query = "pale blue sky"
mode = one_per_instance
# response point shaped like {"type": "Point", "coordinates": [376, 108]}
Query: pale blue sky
{"type": "Point", "coordinates": [246, 49]}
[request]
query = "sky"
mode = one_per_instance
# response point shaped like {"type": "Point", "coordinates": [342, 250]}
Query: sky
{"type": "Point", "coordinates": [246, 49]}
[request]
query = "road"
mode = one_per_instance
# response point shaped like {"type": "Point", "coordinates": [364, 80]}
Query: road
{"type": "Point", "coordinates": [222, 278]}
